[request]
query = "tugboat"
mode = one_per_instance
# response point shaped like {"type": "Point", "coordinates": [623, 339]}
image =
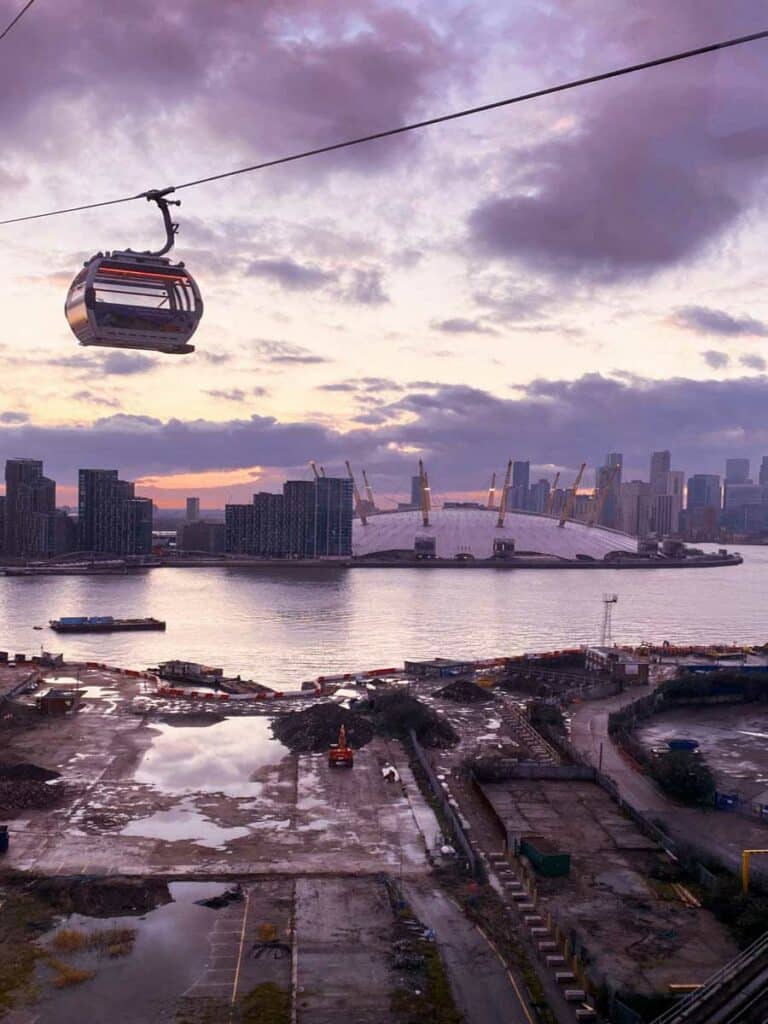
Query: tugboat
{"type": "Point", "coordinates": [102, 624]}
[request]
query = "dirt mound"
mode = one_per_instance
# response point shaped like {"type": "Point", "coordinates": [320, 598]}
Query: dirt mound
{"type": "Point", "coordinates": [396, 714]}
{"type": "Point", "coordinates": [27, 772]}
{"type": "Point", "coordinates": [463, 691]}
{"type": "Point", "coordinates": [313, 730]}
{"type": "Point", "coordinates": [104, 897]}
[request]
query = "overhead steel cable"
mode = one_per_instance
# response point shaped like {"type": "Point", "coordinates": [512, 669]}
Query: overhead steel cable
{"type": "Point", "coordinates": [467, 112]}
{"type": "Point", "coordinates": [18, 18]}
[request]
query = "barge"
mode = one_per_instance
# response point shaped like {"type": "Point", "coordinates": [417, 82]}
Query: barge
{"type": "Point", "coordinates": [103, 624]}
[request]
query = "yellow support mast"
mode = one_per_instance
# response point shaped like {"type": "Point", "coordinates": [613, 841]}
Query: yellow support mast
{"type": "Point", "coordinates": [504, 496]}
{"type": "Point", "coordinates": [492, 492]}
{"type": "Point", "coordinates": [551, 498]}
{"type": "Point", "coordinates": [572, 495]}
{"type": "Point", "coordinates": [600, 499]}
{"type": "Point", "coordinates": [424, 494]}
{"type": "Point", "coordinates": [356, 493]}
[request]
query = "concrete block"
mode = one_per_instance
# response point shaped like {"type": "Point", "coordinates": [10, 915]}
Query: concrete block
{"type": "Point", "coordinates": [519, 895]}
{"type": "Point", "coordinates": [563, 976]}
{"type": "Point", "coordinates": [533, 919]}
{"type": "Point", "coordinates": [586, 1013]}
{"type": "Point", "coordinates": [539, 929]}
{"type": "Point", "coordinates": [526, 906]}
{"type": "Point", "coordinates": [555, 960]}
{"type": "Point", "coordinates": [575, 995]}
{"type": "Point", "coordinates": [548, 946]}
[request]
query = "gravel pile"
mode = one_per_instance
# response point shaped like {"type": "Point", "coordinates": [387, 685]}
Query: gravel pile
{"type": "Point", "coordinates": [313, 730]}
{"type": "Point", "coordinates": [463, 691]}
{"type": "Point", "coordinates": [396, 714]}
{"type": "Point", "coordinates": [27, 787]}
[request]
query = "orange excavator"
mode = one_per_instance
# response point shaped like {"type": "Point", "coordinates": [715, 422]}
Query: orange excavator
{"type": "Point", "coordinates": [340, 755]}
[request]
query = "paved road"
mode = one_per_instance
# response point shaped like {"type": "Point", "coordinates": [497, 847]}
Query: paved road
{"type": "Point", "coordinates": [482, 988]}
{"type": "Point", "coordinates": [721, 835]}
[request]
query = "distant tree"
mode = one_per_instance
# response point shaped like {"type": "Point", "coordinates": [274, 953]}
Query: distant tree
{"type": "Point", "coordinates": [684, 775]}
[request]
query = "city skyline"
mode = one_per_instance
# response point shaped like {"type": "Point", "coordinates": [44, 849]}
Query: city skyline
{"type": "Point", "coordinates": [485, 290]}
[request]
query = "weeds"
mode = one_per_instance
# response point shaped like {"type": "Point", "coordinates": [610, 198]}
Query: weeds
{"type": "Point", "coordinates": [66, 974]}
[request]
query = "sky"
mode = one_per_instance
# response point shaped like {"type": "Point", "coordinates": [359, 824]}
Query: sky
{"type": "Point", "coordinates": [552, 281]}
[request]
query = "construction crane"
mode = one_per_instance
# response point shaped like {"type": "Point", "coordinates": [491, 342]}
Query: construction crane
{"type": "Point", "coordinates": [424, 493]}
{"type": "Point", "coordinates": [313, 464]}
{"type": "Point", "coordinates": [601, 498]}
{"type": "Point", "coordinates": [322, 471]}
{"type": "Point", "coordinates": [504, 496]}
{"type": "Point", "coordinates": [572, 495]}
{"type": "Point", "coordinates": [551, 498]}
{"type": "Point", "coordinates": [358, 501]}
{"type": "Point", "coordinates": [492, 491]}
{"type": "Point", "coordinates": [369, 493]}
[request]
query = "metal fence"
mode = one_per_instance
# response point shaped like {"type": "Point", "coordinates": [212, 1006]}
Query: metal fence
{"type": "Point", "coordinates": [474, 864]}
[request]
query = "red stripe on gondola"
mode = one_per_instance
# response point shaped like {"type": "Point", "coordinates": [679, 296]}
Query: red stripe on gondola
{"type": "Point", "coordinates": [142, 273]}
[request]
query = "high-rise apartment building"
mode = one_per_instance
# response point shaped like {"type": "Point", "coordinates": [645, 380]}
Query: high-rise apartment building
{"type": "Point", "coordinates": [416, 491]}
{"type": "Point", "coordinates": [763, 478]}
{"type": "Point", "coordinates": [521, 479]}
{"type": "Point", "coordinates": [333, 517]}
{"type": "Point", "coordinates": [2, 524]}
{"type": "Point", "coordinates": [193, 510]}
{"type": "Point", "coordinates": [111, 519]}
{"type": "Point", "coordinates": [30, 498]}
{"type": "Point", "coordinates": [310, 519]}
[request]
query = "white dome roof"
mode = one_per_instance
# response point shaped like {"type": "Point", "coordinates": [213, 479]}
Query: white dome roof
{"type": "Point", "coordinates": [473, 531]}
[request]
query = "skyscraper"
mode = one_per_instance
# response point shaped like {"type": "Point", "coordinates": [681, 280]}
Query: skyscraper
{"type": "Point", "coordinates": [30, 498]}
{"type": "Point", "coordinates": [299, 518]}
{"type": "Point", "coordinates": [416, 491]}
{"type": "Point", "coordinates": [737, 471]}
{"type": "Point", "coordinates": [608, 480]}
{"type": "Point", "coordinates": [521, 478]}
{"type": "Point", "coordinates": [763, 478]}
{"type": "Point", "coordinates": [635, 497]}
{"type": "Point", "coordinates": [668, 505]}
{"type": "Point", "coordinates": [193, 510]}
{"type": "Point", "coordinates": [661, 463]}
{"type": "Point", "coordinates": [704, 491]}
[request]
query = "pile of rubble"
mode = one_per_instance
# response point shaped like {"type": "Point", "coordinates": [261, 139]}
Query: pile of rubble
{"type": "Point", "coordinates": [27, 787]}
{"type": "Point", "coordinates": [399, 714]}
{"type": "Point", "coordinates": [463, 691]}
{"type": "Point", "coordinates": [313, 730]}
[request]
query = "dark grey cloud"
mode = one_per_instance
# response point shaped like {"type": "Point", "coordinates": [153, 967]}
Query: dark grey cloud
{"type": "Point", "coordinates": [365, 287]}
{"type": "Point", "coordinates": [290, 274]}
{"type": "Point", "coordinates": [652, 169]}
{"type": "Point", "coordinates": [273, 73]}
{"type": "Point", "coordinates": [717, 360]}
{"type": "Point", "coordinates": [704, 320]}
{"type": "Point", "coordinates": [752, 361]}
{"type": "Point", "coordinates": [461, 325]}
{"type": "Point", "coordinates": [285, 353]}
{"type": "Point", "coordinates": [124, 364]}
{"type": "Point", "coordinates": [214, 358]}
{"type": "Point", "coordinates": [362, 385]}
{"type": "Point", "coordinates": [13, 417]}
{"type": "Point", "coordinates": [458, 428]}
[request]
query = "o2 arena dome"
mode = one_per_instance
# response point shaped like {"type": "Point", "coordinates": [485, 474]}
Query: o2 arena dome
{"type": "Point", "coordinates": [474, 533]}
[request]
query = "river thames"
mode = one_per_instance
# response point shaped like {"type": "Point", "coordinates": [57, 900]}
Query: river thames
{"type": "Point", "coordinates": [287, 625]}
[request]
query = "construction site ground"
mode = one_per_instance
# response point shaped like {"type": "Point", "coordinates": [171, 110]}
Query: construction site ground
{"type": "Point", "coordinates": [189, 795]}
{"type": "Point", "coordinates": [635, 928]}
{"type": "Point", "coordinates": [732, 737]}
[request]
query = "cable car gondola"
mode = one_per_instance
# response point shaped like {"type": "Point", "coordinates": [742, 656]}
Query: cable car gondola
{"type": "Point", "coordinates": [137, 300]}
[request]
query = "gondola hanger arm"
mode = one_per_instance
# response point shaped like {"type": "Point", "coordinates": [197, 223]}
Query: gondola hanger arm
{"type": "Point", "coordinates": [157, 195]}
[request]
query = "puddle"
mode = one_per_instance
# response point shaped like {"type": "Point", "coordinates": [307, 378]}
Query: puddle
{"type": "Point", "coordinates": [184, 822]}
{"type": "Point", "coordinates": [218, 758]}
{"type": "Point", "coordinates": [168, 956]}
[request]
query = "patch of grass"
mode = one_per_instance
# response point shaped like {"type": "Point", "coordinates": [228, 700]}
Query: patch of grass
{"type": "Point", "coordinates": [23, 919]}
{"type": "Point", "coordinates": [67, 975]}
{"type": "Point", "coordinates": [69, 940]}
{"type": "Point", "coordinates": [434, 1003]}
{"type": "Point", "coordinates": [112, 941]}
{"type": "Point", "coordinates": [267, 1003]}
